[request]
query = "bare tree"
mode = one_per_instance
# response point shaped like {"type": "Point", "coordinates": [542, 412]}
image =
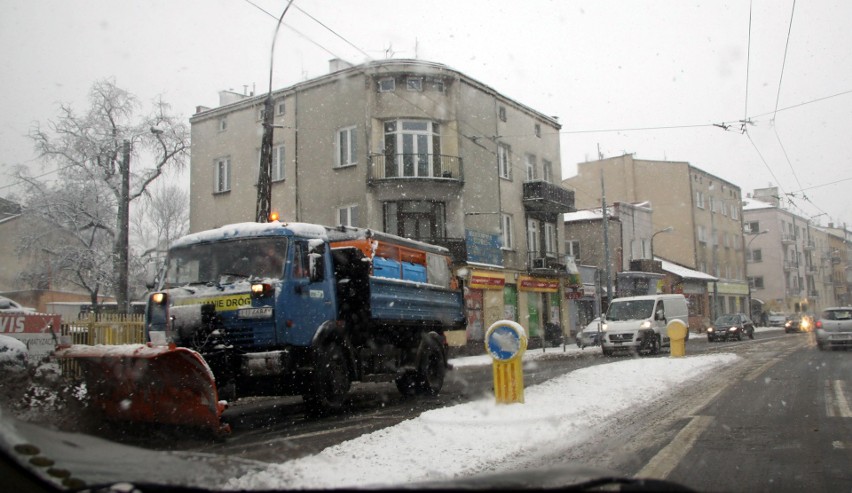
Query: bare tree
{"type": "Point", "coordinates": [94, 151]}
{"type": "Point", "coordinates": [160, 217]}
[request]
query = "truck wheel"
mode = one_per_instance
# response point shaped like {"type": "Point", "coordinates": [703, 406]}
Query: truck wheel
{"type": "Point", "coordinates": [430, 375]}
{"type": "Point", "coordinates": [329, 380]}
{"type": "Point", "coordinates": [407, 383]}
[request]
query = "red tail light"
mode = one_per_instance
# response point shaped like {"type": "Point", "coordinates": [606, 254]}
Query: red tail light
{"type": "Point", "coordinates": [819, 324]}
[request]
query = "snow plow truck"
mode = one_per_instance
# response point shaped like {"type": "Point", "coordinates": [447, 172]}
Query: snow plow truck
{"type": "Point", "coordinates": [279, 309]}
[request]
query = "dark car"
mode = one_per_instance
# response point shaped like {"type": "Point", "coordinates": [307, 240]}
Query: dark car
{"type": "Point", "coordinates": [731, 326]}
{"type": "Point", "coordinates": [799, 323]}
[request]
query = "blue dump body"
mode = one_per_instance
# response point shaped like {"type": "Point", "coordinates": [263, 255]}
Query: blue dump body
{"type": "Point", "coordinates": [394, 300]}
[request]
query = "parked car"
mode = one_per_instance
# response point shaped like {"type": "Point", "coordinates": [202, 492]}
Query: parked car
{"type": "Point", "coordinates": [834, 328]}
{"type": "Point", "coordinates": [731, 326]}
{"type": "Point", "coordinates": [777, 319]}
{"type": "Point", "coordinates": [590, 335]}
{"type": "Point", "coordinates": [10, 305]}
{"type": "Point", "coordinates": [799, 323]}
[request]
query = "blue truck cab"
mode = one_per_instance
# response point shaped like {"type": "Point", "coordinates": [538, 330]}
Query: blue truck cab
{"type": "Point", "coordinates": [296, 308]}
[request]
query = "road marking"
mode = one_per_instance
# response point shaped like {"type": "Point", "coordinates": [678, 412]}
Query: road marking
{"type": "Point", "coordinates": [762, 368]}
{"type": "Point", "coordinates": [838, 445]}
{"type": "Point", "coordinates": [662, 464]}
{"type": "Point", "coordinates": [836, 404]}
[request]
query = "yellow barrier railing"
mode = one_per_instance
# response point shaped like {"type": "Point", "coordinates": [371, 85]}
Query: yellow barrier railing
{"type": "Point", "coordinates": [104, 328]}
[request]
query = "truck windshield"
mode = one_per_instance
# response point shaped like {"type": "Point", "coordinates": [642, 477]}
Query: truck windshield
{"type": "Point", "coordinates": [226, 261]}
{"type": "Point", "coordinates": [630, 310]}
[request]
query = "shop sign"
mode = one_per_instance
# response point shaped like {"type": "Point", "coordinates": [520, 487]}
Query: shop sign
{"type": "Point", "coordinates": [539, 284]}
{"type": "Point", "coordinates": [486, 280]}
{"type": "Point", "coordinates": [483, 248]}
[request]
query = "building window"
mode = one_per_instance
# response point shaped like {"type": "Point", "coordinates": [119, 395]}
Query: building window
{"type": "Point", "coordinates": [533, 238]}
{"type": "Point", "coordinates": [504, 161]}
{"type": "Point", "coordinates": [414, 84]}
{"type": "Point", "coordinates": [347, 147]}
{"type": "Point", "coordinates": [222, 175]}
{"type": "Point", "coordinates": [276, 171]}
{"type": "Point", "coordinates": [532, 174]}
{"type": "Point", "coordinates": [537, 130]}
{"type": "Point", "coordinates": [572, 248]}
{"type": "Point", "coordinates": [699, 199]}
{"type": "Point", "coordinates": [755, 282]}
{"type": "Point", "coordinates": [223, 124]}
{"type": "Point", "coordinates": [413, 149]}
{"type": "Point", "coordinates": [502, 113]}
{"type": "Point", "coordinates": [752, 227]}
{"type": "Point", "coordinates": [422, 220]}
{"type": "Point", "coordinates": [506, 232]}
{"type": "Point", "coordinates": [437, 85]}
{"type": "Point", "coordinates": [702, 234]}
{"type": "Point", "coordinates": [550, 248]}
{"type": "Point", "coordinates": [348, 216]}
{"type": "Point", "coordinates": [279, 108]}
{"type": "Point", "coordinates": [757, 255]}
{"type": "Point", "coordinates": [261, 112]}
{"type": "Point", "coordinates": [547, 170]}
{"type": "Point", "coordinates": [387, 84]}
{"type": "Point", "coordinates": [735, 212]}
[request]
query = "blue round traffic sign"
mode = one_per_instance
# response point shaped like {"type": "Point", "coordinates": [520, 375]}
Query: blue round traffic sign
{"type": "Point", "coordinates": [505, 340]}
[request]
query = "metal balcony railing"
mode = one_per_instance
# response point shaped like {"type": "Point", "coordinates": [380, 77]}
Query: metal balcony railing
{"type": "Point", "coordinates": [541, 196]}
{"type": "Point", "coordinates": [415, 166]}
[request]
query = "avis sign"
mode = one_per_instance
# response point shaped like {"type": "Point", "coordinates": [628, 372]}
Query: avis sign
{"type": "Point", "coordinates": [33, 329]}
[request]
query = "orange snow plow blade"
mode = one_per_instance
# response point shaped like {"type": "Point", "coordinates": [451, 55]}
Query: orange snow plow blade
{"type": "Point", "coordinates": [150, 384]}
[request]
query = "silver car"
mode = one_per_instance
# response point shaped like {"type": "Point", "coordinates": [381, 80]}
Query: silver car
{"type": "Point", "coordinates": [834, 328]}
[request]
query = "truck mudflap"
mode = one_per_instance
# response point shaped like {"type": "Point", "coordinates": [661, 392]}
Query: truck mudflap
{"type": "Point", "coordinates": [150, 384]}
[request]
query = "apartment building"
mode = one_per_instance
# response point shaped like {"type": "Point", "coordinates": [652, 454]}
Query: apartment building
{"type": "Point", "coordinates": [703, 210]}
{"type": "Point", "coordinates": [407, 147]}
{"type": "Point", "coordinates": [793, 265]}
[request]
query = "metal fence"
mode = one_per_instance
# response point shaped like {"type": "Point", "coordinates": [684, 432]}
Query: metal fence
{"type": "Point", "coordinates": [103, 328]}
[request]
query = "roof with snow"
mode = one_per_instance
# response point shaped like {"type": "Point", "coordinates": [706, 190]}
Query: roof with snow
{"type": "Point", "coordinates": [751, 204]}
{"type": "Point", "coordinates": [684, 272]}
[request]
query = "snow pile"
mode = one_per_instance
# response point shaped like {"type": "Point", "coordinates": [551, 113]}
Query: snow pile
{"type": "Point", "coordinates": [466, 439]}
{"type": "Point", "coordinates": [35, 391]}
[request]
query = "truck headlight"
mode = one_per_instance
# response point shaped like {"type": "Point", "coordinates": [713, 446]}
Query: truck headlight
{"type": "Point", "coordinates": [645, 325]}
{"type": "Point", "coordinates": [733, 329]}
{"type": "Point", "coordinates": [710, 329]}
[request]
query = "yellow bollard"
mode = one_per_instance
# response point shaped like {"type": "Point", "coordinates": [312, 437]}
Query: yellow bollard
{"type": "Point", "coordinates": [506, 342]}
{"type": "Point", "coordinates": [677, 337]}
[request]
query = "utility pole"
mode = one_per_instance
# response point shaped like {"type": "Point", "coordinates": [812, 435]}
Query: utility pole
{"type": "Point", "coordinates": [122, 245]}
{"type": "Point", "coordinates": [605, 223]}
{"type": "Point", "coordinates": [264, 179]}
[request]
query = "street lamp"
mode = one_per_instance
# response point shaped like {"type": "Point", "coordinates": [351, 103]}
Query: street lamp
{"type": "Point", "coordinates": [748, 281]}
{"type": "Point", "coordinates": [668, 229]}
{"type": "Point", "coordinates": [264, 180]}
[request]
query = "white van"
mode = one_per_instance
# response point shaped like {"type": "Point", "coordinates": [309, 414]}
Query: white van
{"type": "Point", "coordinates": [638, 323]}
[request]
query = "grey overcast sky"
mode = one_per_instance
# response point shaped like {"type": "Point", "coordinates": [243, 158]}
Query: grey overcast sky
{"type": "Point", "coordinates": [650, 78]}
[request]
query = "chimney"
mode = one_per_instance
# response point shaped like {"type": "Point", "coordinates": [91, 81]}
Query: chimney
{"type": "Point", "coordinates": [199, 109]}
{"type": "Point", "coordinates": [336, 65]}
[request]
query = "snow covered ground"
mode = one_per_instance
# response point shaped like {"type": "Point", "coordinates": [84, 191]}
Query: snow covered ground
{"type": "Point", "coordinates": [478, 436]}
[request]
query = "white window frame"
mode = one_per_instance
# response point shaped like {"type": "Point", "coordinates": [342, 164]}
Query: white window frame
{"type": "Point", "coordinates": [222, 174]}
{"type": "Point", "coordinates": [280, 107]}
{"type": "Point", "coordinates": [506, 232]}
{"type": "Point", "coordinates": [699, 199]}
{"type": "Point", "coordinates": [547, 170]}
{"type": "Point", "coordinates": [550, 247]}
{"type": "Point", "coordinates": [702, 234]}
{"type": "Point", "coordinates": [504, 160]}
{"type": "Point", "coordinates": [537, 130]}
{"type": "Point", "coordinates": [533, 232]}
{"type": "Point", "coordinates": [572, 248]}
{"type": "Point", "coordinates": [223, 124]}
{"type": "Point", "coordinates": [348, 215]}
{"type": "Point", "coordinates": [531, 167]}
{"type": "Point", "coordinates": [278, 163]}
{"type": "Point", "coordinates": [346, 153]}
{"type": "Point", "coordinates": [735, 212]}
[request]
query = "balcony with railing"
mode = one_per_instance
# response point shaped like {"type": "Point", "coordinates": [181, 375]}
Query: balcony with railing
{"type": "Point", "coordinates": [439, 167]}
{"type": "Point", "coordinates": [543, 261]}
{"type": "Point", "coordinates": [541, 196]}
{"type": "Point", "coordinates": [809, 245]}
{"type": "Point", "coordinates": [788, 239]}
{"type": "Point", "coordinates": [790, 265]}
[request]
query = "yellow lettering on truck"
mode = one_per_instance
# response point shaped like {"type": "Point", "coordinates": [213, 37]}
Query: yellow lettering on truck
{"type": "Point", "coordinates": [221, 303]}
